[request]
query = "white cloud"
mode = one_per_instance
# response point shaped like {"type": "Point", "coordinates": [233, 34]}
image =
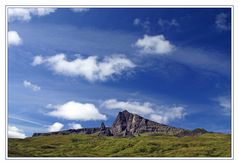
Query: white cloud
{"type": "Point", "coordinates": [42, 11]}
{"type": "Point", "coordinates": [168, 114]}
{"type": "Point", "coordinates": [25, 14]}
{"type": "Point", "coordinates": [144, 24]}
{"type": "Point", "coordinates": [160, 114]}
{"type": "Point", "coordinates": [77, 111]}
{"type": "Point", "coordinates": [55, 127]}
{"type": "Point", "coordinates": [89, 68]}
{"type": "Point", "coordinates": [154, 45]}
{"type": "Point", "coordinates": [14, 132]}
{"type": "Point", "coordinates": [75, 126]}
{"type": "Point", "coordinates": [223, 21]}
{"type": "Point", "coordinates": [132, 106]}
{"type": "Point", "coordinates": [79, 10]}
{"type": "Point", "coordinates": [31, 86]}
{"type": "Point", "coordinates": [14, 38]}
{"type": "Point", "coordinates": [163, 23]}
{"type": "Point", "coordinates": [37, 60]}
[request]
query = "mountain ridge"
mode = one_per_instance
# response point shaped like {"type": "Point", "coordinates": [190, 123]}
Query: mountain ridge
{"type": "Point", "coordinates": [128, 124]}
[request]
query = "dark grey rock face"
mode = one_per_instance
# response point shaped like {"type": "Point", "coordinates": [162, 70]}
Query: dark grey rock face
{"type": "Point", "coordinates": [127, 124]}
{"type": "Point", "coordinates": [132, 124]}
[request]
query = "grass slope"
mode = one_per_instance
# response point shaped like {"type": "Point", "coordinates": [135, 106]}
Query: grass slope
{"type": "Point", "coordinates": [78, 145]}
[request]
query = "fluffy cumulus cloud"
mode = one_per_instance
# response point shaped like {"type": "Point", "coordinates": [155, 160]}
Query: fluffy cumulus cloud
{"type": "Point", "coordinates": [80, 10]}
{"type": "Point", "coordinates": [76, 111]}
{"type": "Point", "coordinates": [25, 14]}
{"type": "Point", "coordinates": [75, 126]}
{"type": "Point", "coordinates": [14, 132]}
{"type": "Point", "coordinates": [14, 38]}
{"type": "Point", "coordinates": [55, 127]}
{"type": "Point", "coordinates": [28, 84]}
{"type": "Point", "coordinates": [90, 68]}
{"type": "Point", "coordinates": [223, 21]}
{"type": "Point", "coordinates": [160, 114]}
{"type": "Point", "coordinates": [154, 45]}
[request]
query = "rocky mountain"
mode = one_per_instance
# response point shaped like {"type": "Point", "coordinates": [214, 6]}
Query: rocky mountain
{"type": "Point", "coordinates": [129, 124]}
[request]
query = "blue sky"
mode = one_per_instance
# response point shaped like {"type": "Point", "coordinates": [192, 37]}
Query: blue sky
{"type": "Point", "coordinates": [72, 68]}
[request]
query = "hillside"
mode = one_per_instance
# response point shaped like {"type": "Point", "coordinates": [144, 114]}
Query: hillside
{"type": "Point", "coordinates": [130, 135]}
{"type": "Point", "coordinates": [145, 145]}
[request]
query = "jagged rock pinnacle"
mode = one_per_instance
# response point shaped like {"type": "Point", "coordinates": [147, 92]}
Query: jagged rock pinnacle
{"type": "Point", "coordinates": [102, 126]}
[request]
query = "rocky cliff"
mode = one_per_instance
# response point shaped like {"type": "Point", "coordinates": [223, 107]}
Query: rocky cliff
{"type": "Point", "coordinates": [129, 124]}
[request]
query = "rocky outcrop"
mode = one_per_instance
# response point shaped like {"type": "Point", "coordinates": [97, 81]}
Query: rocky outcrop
{"type": "Point", "coordinates": [195, 132]}
{"type": "Point", "coordinates": [128, 124]}
{"type": "Point", "coordinates": [70, 131]}
{"type": "Point", "coordinates": [104, 131]}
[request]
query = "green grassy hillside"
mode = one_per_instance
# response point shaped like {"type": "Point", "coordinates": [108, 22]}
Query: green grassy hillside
{"type": "Point", "coordinates": [207, 145]}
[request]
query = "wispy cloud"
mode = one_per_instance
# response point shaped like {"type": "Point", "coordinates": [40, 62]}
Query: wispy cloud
{"type": "Point", "coordinates": [164, 23]}
{"type": "Point", "coordinates": [26, 14]}
{"type": "Point", "coordinates": [80, 10]}
{"type": "Point", "coordinates": [28, 84]}
{"type": "Point", "coordinates": [145, 24]}
{"type": "Point", "coordinates": [14, 132]}
{"type": "Point", "coordinates": [89, 68]}
{"type": "Point", "coordinates": [25, 120]}
{"type": "Point", "coordinates": [76, 111]}
{"type": "Point", "coordinates": [207, 60]}
{"type": "Point", "coordinates": [162, 114]}
{"type": "Point", "coordinates": [225, 103]}
{"type": "Point", "coordinates": [14, 38]}
{"type": "Point", "coordinates": [154, 45]}
{"type": "Point", "coordinates": [223, 22]}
